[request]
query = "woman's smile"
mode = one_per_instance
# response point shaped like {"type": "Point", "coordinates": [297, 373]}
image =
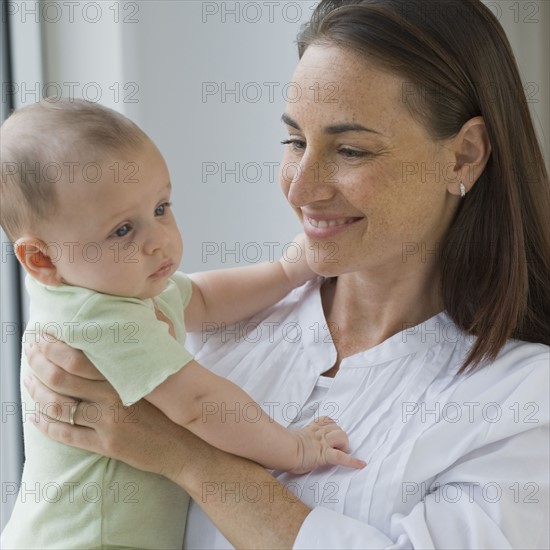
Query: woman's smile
{"type": "Point", "coordinates": [322, 226]}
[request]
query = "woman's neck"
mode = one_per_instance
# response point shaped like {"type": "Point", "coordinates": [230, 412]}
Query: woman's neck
{"type": "Point", "coordinates": [362, 311]}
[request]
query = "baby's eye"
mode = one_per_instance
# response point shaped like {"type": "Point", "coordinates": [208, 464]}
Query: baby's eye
{"type": "Point", "coordinates": [123, 230]}
{"type": "Point", "coordinates": [161, 210]}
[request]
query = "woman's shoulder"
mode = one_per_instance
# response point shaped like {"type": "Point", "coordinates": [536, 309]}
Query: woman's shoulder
{"type": "Point", "coordinates": [520, 358]}
{"type": "Point", "coordinates": [517, 380]}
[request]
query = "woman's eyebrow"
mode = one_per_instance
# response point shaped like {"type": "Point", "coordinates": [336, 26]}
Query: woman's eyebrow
{"type": "Point", "coordinates": [348, 127]}
{"type": "Point", "coordinates": [290, 122]}
{"type": "Point", "coordinates": [333, 129]}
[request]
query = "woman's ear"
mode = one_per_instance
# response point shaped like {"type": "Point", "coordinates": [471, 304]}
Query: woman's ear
{"type": "Point", "coordinates": [471, 149]}
{"type": "Point", "coordinates": [33, 255]}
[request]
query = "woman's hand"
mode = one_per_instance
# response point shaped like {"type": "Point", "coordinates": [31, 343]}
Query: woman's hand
{"type": "Point", "coordinates": [145, 438]}
{"type": "Point", "coordinates": [139, 435]}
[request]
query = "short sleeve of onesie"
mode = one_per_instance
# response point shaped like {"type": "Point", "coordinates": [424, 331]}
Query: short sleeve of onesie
{"type": "Point", "coordinates": [123, 337]}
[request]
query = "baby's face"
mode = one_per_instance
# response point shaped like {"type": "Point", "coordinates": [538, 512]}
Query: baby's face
{"type": "Point", "coordinates": [117, 236]}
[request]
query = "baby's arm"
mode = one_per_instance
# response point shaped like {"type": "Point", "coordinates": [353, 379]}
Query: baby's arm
{"type": "Point", "coordinates": [222, 414]}
{"type": "Point", "coordinates": [231, 295]}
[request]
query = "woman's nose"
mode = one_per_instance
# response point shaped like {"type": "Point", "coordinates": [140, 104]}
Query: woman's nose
{"type": "Point", "coordinates": [309, 181]}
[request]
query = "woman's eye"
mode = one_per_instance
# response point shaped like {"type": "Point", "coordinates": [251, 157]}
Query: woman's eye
{"type": "Point", "coordinates": [123, 230]}
{"type": "Point", "coordinates": [295, 144]}
{"type": "Point", "coordinates": [353, 153]}
{"type": "Point", "coordinates": [161, 210]}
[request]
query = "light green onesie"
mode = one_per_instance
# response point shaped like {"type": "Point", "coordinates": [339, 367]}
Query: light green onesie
{"type": "Point", "coordinates": [70, 498]}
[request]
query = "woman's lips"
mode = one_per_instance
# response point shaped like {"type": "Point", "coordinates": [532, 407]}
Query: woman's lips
{"type": "Point", "coordinates": [163, 270]}
{"type": "Point", "coordinates": [322, 227]}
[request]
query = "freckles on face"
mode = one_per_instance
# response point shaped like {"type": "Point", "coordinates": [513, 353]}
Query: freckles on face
{"type": "Point", "coordinates": [380, 187]}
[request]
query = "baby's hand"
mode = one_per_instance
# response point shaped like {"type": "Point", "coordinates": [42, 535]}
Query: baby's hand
{"type": "Point", "coordinates": [322, 442]}
{"type": "Point", "coordinates": [295, 262]}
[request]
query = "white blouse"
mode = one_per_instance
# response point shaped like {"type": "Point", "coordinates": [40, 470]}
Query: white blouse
{"type": "Point", "coordinates": [453, 462]}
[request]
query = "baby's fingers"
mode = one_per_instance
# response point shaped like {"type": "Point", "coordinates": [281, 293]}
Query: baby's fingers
{"type": "Point", "coordinates": [339, 458]}
{"type": "Point", "coordinates": [336, 437]}
{"type": "Point", "coordinates": [324, 421]}
{"type": "Point", "coordinates": [338, 440]}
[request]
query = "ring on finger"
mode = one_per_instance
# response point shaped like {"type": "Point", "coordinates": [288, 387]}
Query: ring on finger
{"type": "Point", "coordinates": [72, 411]}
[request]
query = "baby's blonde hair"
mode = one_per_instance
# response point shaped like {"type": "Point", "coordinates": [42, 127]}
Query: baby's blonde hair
{"type": "Point", "coordinates": [40, 141]}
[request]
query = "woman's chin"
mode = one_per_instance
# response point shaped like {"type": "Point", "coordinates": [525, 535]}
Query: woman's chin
{"type": "Point", "coordinates": [325, 268]}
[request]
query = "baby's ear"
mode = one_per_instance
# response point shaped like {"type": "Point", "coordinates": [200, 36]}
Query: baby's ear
{"type": "Point", "coordinates": [33, 255]}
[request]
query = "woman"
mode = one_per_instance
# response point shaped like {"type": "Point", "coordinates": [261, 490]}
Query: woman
{"type": "Point", "coordinates": [413, 165]}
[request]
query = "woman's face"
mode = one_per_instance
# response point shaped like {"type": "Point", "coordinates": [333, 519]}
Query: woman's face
{"type": "Point", "coordinates": [366, 180]}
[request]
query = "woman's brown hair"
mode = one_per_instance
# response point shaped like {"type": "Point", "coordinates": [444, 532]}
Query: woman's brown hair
{"type": "Point", "coordinates": [458, 64]}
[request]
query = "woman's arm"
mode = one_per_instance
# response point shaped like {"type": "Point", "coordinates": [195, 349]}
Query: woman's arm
{"type": "Point", "coordinates": [145, 438]}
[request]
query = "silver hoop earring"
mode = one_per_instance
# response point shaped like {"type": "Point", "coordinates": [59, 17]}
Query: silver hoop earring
{"type": "Point", "coordinates": [462, 190]}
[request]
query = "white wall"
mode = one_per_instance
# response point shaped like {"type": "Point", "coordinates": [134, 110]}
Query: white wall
{"type": "Point", "coordinates": [26, 67]}
{"type": "Point", "coordinates": [527, 25]}
{"type": "Point", "coordinates": [167, 60]}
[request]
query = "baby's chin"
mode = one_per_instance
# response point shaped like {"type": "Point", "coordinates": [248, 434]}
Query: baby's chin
{"type": "Point", "coordinates": [149, 295]}
{"type": "Point", "coordinates": [145, 294]}
{"type": "Point", "coordinates": [154, 291]}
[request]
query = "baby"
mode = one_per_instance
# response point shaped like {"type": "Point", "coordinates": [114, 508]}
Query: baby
{"type": "Point", "coordinates": [86, 199]}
